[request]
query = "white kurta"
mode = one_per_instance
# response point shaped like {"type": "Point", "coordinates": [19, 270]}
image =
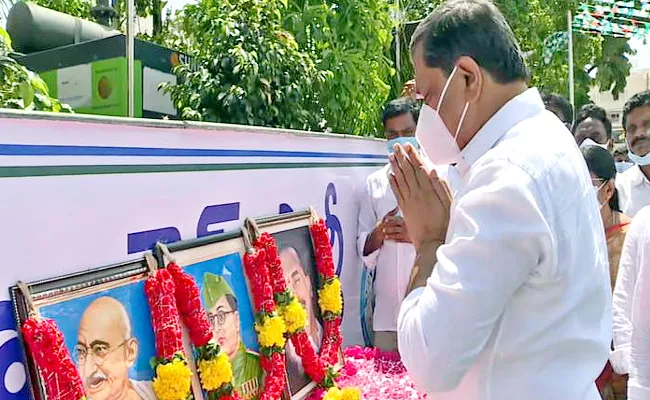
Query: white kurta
{"type": "Point", "coordinates": [633, 191]}
{"type": "Point", "coordinates": [630, 309]}
{"type": "Point", "coordinates": [519, 303]}
{"type": "Point", "coordinates": [392, 261]}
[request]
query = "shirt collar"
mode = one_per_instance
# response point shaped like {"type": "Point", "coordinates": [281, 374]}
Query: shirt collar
{"type": "Point", "coordinates": [637, 176]}
{"type": "Point", "coordinates": [519, 108]}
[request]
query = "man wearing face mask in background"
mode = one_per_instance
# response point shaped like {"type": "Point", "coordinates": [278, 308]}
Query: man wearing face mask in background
{"type": "Point", "coordinates": [383, 240]}
{"type": "Point", "coordinates": [593, 128]}
{"type": "Point", "coordinates": [509, 296]}
{"type": "Point", "coordinates": [633, 185]}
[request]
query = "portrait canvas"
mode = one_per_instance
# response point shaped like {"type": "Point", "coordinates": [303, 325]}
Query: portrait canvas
{"type": "Point", "coordinates": [106, 326]}
{"type": "Point", "coordinates": [219, 273]}
{"type": "Point", "coordinates": [292, 235]}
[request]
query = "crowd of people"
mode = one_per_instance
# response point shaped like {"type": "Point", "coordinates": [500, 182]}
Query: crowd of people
{"type": "Point", "coordinates": [503, 223]}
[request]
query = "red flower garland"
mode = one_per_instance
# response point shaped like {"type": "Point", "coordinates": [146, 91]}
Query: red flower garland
{"type": "Point", "coordinates": [188, 300]}
{"type": "Point", "coordinates": [165, 319]}
{"type": "Point", "coordinates": [47, 348]}
{"type": "Point", "coordinates": [274, 363]}
{"type": "Point", "coordinates": [332, 338]}
{"type": "Point", "coordinates": [311, 363]}
{"type": "Point", "coordinates": [195, 318]}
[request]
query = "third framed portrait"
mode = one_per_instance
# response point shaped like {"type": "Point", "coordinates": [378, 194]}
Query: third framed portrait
{"type": "Point", "coordinates": [292, 235]}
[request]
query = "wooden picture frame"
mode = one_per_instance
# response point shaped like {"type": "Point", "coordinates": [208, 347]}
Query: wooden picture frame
{"type": "Point", "coordinates": [216, 263]}
{"type": "Point", "coordinates": [103, 315]}
{"type": "Point", "coordinates": [295, 247]}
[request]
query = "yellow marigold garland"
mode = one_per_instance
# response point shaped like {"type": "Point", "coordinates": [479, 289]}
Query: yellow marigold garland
{"type": "Point", "coordinates": [334, 393]}
{"type": "Point", "coordinates": [173, 380]}
{"type": "Point", "coordinates": [215, 372]}
{"type": "Point", "coordinates": [294, 316]}
{"type": "Point", "coordinates": [330, 297]}
{"type": "Point", "coordinates": [270, 332]}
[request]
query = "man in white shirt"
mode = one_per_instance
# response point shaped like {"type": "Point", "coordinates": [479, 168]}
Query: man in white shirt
{"type": "Point", "coordinates": [509, 295]}
{"type": "Point", "coordinates": [382, 239]}
{"type": "Point", "coordinates": [633, 185]}
{"type": "Point", "coordinates": [631, 317]}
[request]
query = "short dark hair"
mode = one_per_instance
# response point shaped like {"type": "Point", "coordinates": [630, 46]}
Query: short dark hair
{"type": "Point", "coordinates": [638, 100]}
{"type": "Point", "coordinates": [232, 301]}
{"type": "Point", "coordinates": [595, 112]}
{"type": "Point", "coordinates": [561, 103]}
{"type": "Point", "coordinates": [473, 28]}
{"type": "Point", "coordinates": [601, 163]}
{"type": "Point", "coordinates": [398, 107]}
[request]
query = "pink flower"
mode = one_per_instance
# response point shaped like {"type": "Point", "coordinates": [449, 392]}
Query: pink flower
{"type": "Point", "coordinates": [380, 375]}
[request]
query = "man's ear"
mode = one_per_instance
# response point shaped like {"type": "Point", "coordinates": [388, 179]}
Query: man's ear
{"type": "Point", "coordinates": [131, 347]}
{"type": "Point", "coordinates": [473, 76]}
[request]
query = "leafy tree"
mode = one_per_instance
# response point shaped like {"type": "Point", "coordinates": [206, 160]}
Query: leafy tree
{"type": "Point", "coordinates": [535, 20]}
{"type": "Point", "coordinates": [351, 38]}
{"type": "Point", "coordinates": [251, 71]}
{"type": "Point", "coordinates": [21, 88]}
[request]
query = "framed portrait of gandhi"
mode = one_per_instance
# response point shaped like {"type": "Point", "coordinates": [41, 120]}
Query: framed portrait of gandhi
{"type": "Point", "coordinates": [104, 317]}
{"type": "Point", "coordinates": [296, 250]}
{"type": "Point", "coordinates": [215, 262]}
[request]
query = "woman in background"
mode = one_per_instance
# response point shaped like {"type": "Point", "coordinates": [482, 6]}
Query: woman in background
{"type": "Point", "coordinates": [603, 173]}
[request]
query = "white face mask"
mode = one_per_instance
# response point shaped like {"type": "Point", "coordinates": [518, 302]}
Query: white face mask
{"type": "Point", "coordinates": [435, 138]}
{"type": "Point", "coordinates": [597, 193]}
{"type": "Point", "coordinates": [640, 160]}
{"type": "Point", "coordinates": [591, 142]}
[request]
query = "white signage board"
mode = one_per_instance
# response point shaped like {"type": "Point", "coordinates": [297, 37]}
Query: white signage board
{"type": "Point", "coordinates": [83, 192]}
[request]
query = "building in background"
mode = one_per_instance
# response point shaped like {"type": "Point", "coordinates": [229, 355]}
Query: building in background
{"type": "Point", "coordinates": [638, 81]}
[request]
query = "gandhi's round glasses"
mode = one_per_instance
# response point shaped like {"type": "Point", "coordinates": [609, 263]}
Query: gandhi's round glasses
{"type": "Point", "coordinates": [99, 351]}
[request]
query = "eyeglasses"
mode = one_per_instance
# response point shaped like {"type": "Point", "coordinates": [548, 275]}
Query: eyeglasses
{"type": "Point", "coordinates": [98, 351]}
{"type": "Point", "coordinates": [219, 318]}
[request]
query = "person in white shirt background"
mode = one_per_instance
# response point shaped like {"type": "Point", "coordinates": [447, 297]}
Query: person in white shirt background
{"type": "Point", "coordinates": [633, 185]}
{"type": "Point", "coordinates": [631, 317]}
{"type": "Point", "coordinates": [592, 127]}
{"type": "Point", "coordinates": [383, 240]}
{"type": "Point", "coordinates": [509, 296]}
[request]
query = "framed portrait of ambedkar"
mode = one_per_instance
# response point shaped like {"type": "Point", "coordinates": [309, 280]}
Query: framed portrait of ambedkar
{"type": "Point", "coordinates": [104, 317]}
{"type": "Point", "coordinates": [215, 262]}
{"type": "Point", "coordinates": [292, 235]}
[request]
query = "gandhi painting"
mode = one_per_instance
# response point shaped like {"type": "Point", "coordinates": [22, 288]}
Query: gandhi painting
{"type": "Point", "coordinates": [106, 350]}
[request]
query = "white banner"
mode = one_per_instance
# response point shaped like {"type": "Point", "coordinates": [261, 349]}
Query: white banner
{"type": "Point", "coordinates": [80, 193]}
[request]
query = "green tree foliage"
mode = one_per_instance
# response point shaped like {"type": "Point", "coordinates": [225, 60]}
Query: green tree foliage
{"type": "Point", "coordinates": [250, 70]}
{"type": "Point", "coordinates": [532, 22]}
{"type": "Point", "coordinates": [21, 88]}
{"type": "Point", "coordinates": [350, 38]}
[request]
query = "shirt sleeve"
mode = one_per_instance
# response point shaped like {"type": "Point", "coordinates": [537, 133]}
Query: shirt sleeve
{"type": "Point", "coordinates": [367, 222]}
{"type": "Point", "coordinates": [622, 302]}
{"type": "Point", "coordinates": [498, 236]}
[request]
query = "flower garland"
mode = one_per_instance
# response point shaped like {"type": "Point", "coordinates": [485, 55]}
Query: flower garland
{"type": "Point", "coordinates": [269, 325]}
{"type": "Point", "coordinates": [294, 315]}
{"type": "Point", "coordinates": [330, 297]}
{"type": "Point", "coordinates": [173, 378]}
{"type": "Point", "coordinates": [47, 348]}
{"type": "Point", "coordinates": [215, 370]}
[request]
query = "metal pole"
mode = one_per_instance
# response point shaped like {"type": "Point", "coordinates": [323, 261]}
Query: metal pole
{"type": "Point", "coordinates": [130, 56]}
{"type": "Point", "coordinates": [571, 79]}
{"type": "Point", "coordinates": [398, 49]}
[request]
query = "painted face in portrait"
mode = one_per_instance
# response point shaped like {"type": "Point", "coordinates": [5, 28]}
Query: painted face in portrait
{"type": "Point", "coordinates": [224, 319]}
{"type": "Point", "coordinates": [221, 303]}
{"type": "Point", "coordinates": [105, 350]}
{"type": "Point", "coordinates": [296, 279]}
